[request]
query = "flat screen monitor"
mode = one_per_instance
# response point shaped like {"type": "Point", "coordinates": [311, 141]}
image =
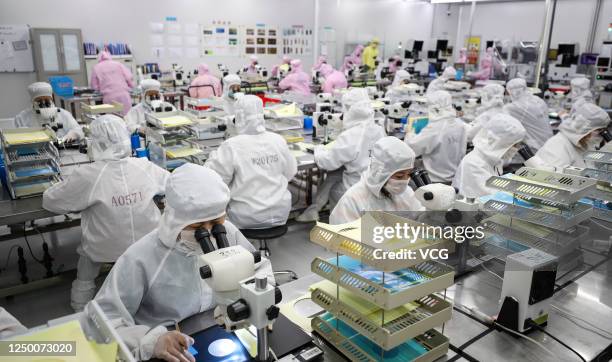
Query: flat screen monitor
{"type": "Point", "coordinates": [432, 54]}
{"type": "Point", "coordinates": [417, 46]}
{"type": "Point", "coordinates": [441, 45]}
{"type": "Point", "coordinates": [567, 49]}
{"type": "Point", "coordinates": [588, 58]}
{"type": "Point", "coordinates": [603, 62]}
{"type": "Point", "coordinates": [490, 44]}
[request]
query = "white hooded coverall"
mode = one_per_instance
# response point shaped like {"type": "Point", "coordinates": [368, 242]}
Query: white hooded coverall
{"type": "Point", "coordinates": [389, 156]}
{"type": "Point", "coordinates": [115, 197]}
{"type": "Point", "coordinates": [443, 142]}
{"type": "Point", "coordinates": [257, 166]}
{"type": "Point", "coordinates": [491, 148]}
{"type": "Point", "coordinates": [156, 282]}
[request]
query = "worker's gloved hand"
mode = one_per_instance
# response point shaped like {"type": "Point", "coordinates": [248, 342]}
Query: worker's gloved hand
{"type": "Point", "coordinates": [218, 315]}
{"type": "Point", "coordinates": [71, 136]}
{"type": "Point", "coordinates": [172, 346]}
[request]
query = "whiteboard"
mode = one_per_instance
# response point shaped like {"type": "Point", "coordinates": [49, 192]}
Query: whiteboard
{"type": "Point", "coordinates": [15, 49]}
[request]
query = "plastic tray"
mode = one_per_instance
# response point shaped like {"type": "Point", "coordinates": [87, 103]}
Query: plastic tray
{"type": "Point", "coordinates": [425, 278]}
{"type": "Point", "coordinates": [431, 312]}
{"type": "Point", "coordinates": [558, 219]}
{"type": "Point", "coordinates": [550, 186]}
{"type": "Point", "coordinates": [31, 154]}
{"type": "Point", "coordinates": [604, 159]}
{"type": "Point", "coordinates": [345, 239]}
{"type": "Point", "coordinates": [16, 137]}
{"type": "Point", "coordinates": [426, 347]}
{"type": "Point", "coordinates": [554, 242]}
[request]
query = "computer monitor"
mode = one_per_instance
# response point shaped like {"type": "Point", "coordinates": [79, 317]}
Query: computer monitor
{"type": "Point", "coordinates": [490, 44]}
{"type": "Point", "coordinates": [567, 49]}
{"type": "Point", "coordinates": [588, 58]}
{"type": "Point", "coordinates": [417, 46]}
{"type": "Point", "coordinates": [407, 54]}
{"type": "Point", "coordinates": [603, 62]}
{"type": "Point", "coordinates": [432, 54]}
{"type": "Point", "coordinates": [441, 45]}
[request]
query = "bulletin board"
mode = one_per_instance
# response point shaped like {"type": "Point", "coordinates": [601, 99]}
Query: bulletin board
{"type": "Point", "coordinates": [297, 40]}
{"type": "Point", "coordinates": [261, 39]}
{"type": "Point", "coordinates": [15, 49]}
{"type": "Point", "coordinates": [221, 38]}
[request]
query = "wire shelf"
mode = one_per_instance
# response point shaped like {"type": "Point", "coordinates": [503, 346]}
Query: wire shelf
{"type": "Point", "coordinates": [399, 287]}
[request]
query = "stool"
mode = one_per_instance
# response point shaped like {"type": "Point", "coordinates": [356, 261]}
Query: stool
{"type": "Point", "coordinates": [263, 235]}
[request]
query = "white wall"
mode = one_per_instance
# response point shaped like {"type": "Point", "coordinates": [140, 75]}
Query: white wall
{"type": "Point", "coordinates": [523, 20]}
{"type": "Point", "coordinates": [392, 21]}
{"type": "Point", "coordinates": [354, 21]}
{"type": "Point", "coordinates": [128, 21]}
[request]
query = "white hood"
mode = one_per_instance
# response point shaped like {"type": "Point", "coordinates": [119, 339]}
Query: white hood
{"type": "Point", "coordinates": [587, 118]}
{"type": "Point", "coordinates": [110, 138]}
{"type": "Point", "coordinates": [249, 115]}
{"type": "Point", "coordinates": [193, 194]}
{"type": "Point", "coordinates": [499, 135]}
{"type": "Point", "coordinates": [400, 76]}
{"type": "Point", "coordinates": [360, 112]}
{"type": "Point", "coordinates": [389, 155]}
{"type": "Point", "coordinates": [440, 106]}
{"type": "Point", "coordinates": [492, 95]}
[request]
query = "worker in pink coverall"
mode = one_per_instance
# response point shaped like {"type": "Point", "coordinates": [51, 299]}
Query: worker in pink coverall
{"type": "Point", "coordinates": [322, 60]}
{"type": "Point", "coordinates": [276, 69]}
{"type": "Point", "coordinates": [486, 66]}
{"type": "Point", "coordinates": [205, 85]}
{"type": "Point", "coordinates": [395, 63]}
{"type": "Point", "coordinates": [114, 80]}
{"type": "Point", "coordinates": [297, 80]}
{"type": "Point", "coordinates": [333, 79]}
{"type": "Point", "coordinates": [353, 60]}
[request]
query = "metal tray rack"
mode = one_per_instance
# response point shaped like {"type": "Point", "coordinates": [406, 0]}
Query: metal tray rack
{"type": "Point", "coordinates": [155, 119]}
{"type": "Point", "coordinates": [556, 242]}
{"type": "Point", "coordinates": [366, 253]}
{"type": "Point", "coordinates": [435, 344]}
{"type": "Point", "coordinates": [27, 154]}
{"type": "Point", "coordinates": [436, 276]}
{"type": "Point", "coordinates": [549, 186]}
{"type": "Point", "coordinates": [370, 316]}
{"type": "Point", "coordinates": [557, 219]}
{"type": "Point", "coordinates": [432, 311]}
{"type": "Point", "coordinates": [32, 166]}
{"type": "Point", "coordinates": [601, 160]}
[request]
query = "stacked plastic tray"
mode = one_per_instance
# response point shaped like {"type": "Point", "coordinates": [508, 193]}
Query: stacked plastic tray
{"type": "Point", "coordinates": [540, 209]}
{"type": "Point", "coordinates": [168, 140]}
{"type": "Point", "coordinates": [599, 167]}
{"type": "Point", "coordinates": [32, 161]}
{"type": "Point", "coordinates": [380, 310]}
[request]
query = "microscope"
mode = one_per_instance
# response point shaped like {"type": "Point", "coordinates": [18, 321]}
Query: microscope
{"type": "Point", "coordinates": [242, 298]}
{"type": "Point", "coordinates": [178, 75]}
{"type": "Point", "coordinates": [395, 113]}
{"type": "Point", "coordinates": [223, 69]}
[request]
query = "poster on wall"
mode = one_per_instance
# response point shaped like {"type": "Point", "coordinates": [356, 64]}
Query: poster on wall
{"type": "Point", "coordinates": [220, 39]}
{"type": "Point", "coordinates": [15, 49]}
{"type": "Point", "coordinates": [473, 49]}
{"type": "Point", "coordinates": [297, 40]}
{"type": "Point", "coordinates": [260, 39]}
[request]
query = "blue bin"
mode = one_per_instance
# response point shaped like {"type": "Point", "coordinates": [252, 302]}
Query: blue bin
{"type": "Point", "coordinates": [135, 139]}
{"type": "Point", "coordinates": [308, 123]}
{"type": "Point", "coordinates": [63, 86]}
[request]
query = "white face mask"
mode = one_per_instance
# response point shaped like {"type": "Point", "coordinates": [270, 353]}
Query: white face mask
{"type": "Point", "coordinates": [594, 142]}
{"type": "Point", "coordinates": [150, 100]}
{"type": "Point", "coordinates": [157, 103]}
{"type": "Point", "coordinates": [396, 187]}
{"type": "Point", "coordinates": [48, 113]}
{"type": "Point", "coordinates": [509, 155]}
{"type": "Point", "coordinates": [188, 236]}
